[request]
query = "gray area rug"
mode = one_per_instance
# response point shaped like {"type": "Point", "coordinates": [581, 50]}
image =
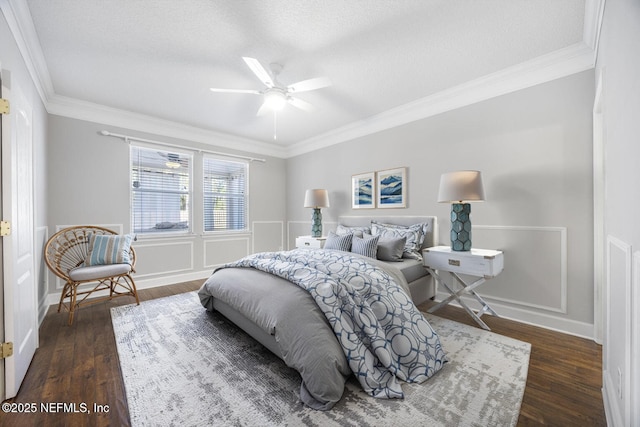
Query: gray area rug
{"type": "Point", "coordinates": [185, 366]}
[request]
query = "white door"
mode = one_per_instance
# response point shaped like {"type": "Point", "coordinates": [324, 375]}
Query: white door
{"type": "Point", "coordinates": [20, 296]}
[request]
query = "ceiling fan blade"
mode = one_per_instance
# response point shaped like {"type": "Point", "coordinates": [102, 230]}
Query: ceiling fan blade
{"type": "Point", "coordinates": [303, 105]}
{"type": "Point", "coordinates": [213, 89]}
{"type": "Point", "coordinates": [259, 71]}
{"type": "Point", "coordinates": [311, 84]}
{"type": "Point", "coordinates": [264, 109]}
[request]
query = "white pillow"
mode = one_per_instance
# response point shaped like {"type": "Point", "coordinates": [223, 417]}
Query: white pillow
{"type": "Point", "coordinates": [356, 231]}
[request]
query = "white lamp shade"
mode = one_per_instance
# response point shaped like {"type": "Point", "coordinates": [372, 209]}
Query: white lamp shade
{"type": "Point", "coordinates": [461, 186]}
{"type": "Point", "coordinates": [316, 198]}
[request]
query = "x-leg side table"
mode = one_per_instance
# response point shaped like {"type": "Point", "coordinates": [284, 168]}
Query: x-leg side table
{"type": "Point", "coordinates": [483, 264]}
{"type": "Point", "coordinates": [467, 288]}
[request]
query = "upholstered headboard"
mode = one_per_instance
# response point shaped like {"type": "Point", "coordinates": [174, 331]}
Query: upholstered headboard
{"type": "Point", "coordinates": [431, 238]}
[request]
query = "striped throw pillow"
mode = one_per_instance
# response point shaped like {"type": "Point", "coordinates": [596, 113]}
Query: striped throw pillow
{"type": "Point", "coordinates": [108, 249]}
{"type": "Point", "coordinates": [367, 247]}
{"type": "Point", "coordinates": [341, 243]}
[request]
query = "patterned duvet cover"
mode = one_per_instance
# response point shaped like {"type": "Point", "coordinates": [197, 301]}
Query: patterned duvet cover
{"type": "Point", "coordinates": [382, 335]}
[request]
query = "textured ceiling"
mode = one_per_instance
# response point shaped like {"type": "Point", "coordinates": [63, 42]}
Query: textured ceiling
{"type": "Point", "coordinates": [159, 57]}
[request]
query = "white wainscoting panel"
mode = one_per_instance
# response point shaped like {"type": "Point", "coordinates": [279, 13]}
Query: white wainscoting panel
{"type": "Point", "coordinates": [223, 250]}
{"type": "Point", "coordinates": [616, 348]}
{"type": "Point", "coordinates": [267, 236]}
{"type": "Point", "coordinates": [155, 257]}
{"type": "Point", "coordinates": [535, 265]}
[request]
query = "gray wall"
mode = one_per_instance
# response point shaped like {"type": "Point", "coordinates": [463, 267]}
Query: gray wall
{"type": "Point", "coordinates": [534, 148]}
{"type": "Point", "coordinates": [619, 66]}
{"type": "Point", "coordinates": [88, 183]}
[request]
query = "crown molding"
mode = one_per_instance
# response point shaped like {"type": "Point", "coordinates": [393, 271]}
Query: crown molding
{"type": "Point", "coordinates": [561, 63]}
{"type": "Point", "coordinates": [18, 17]}
{"type": "Point", "coordinates": [20, 24]}
{"type": "Point", "coordinates": [97, 113]}
{"type": "Point", "coordinates": [593, 15]}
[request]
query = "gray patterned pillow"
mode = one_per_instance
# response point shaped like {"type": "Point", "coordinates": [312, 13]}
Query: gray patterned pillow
{"type": "Point", "coordinates": [365, 246]}
{"type": "Point", "coordinates": [341, 243]}
{"type": "Point", "coordinates": [356, 231]}
{"type": "Point", "coordinates": [414, 234]}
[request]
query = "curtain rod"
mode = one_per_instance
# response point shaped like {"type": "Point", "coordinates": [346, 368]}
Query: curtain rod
{"type": "Point", "coordinates": [128, 138]}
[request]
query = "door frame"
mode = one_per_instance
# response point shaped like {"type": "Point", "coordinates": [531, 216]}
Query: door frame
{"type": "Point", "coordinates": [12, 147]}
{"type": "Point", "coordinates": [2, 334]}
{"type": "Point", "coordinates": [599, 197]}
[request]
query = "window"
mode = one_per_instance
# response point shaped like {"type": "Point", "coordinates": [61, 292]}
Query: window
{"type": "Point", "coordinates": [225, 194]}
{"type": "Point", "coordinates": [160, 190]}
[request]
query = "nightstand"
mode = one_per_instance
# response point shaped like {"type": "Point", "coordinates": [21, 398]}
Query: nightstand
{"type": "Point", "coordinates": [483, 264]}
{"type": "Point", "coordinates": [310, 242]}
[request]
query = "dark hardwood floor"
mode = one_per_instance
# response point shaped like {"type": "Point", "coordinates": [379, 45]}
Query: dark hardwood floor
{"type": "Point", "coordinates": [564, 382]}
{"type": "Point", "coordinates": [78, 365]}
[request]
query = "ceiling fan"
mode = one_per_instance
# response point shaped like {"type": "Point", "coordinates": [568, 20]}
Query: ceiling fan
{"type": "Point", "coordinates": [276, 95]}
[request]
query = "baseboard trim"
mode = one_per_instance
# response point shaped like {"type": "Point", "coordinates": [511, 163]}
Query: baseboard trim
{"type": "Point", "coordinates": [541, 320]}
{"type": "Point", "coordinates": [610, 401]}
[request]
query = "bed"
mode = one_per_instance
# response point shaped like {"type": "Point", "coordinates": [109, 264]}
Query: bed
{"type": "Point", "coordinates": [332, 313]}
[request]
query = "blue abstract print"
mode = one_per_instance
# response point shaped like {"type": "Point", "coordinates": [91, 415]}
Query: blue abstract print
{"type": "Point", "coordinates": [363, 192]}
{"type": "Point", "coordinates": [391, 190]}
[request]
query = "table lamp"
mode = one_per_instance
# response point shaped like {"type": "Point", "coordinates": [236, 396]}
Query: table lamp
{"type": "Point", "coordinates": [459, 188]}
{"type": "Point", "coordinates": [316, 199]}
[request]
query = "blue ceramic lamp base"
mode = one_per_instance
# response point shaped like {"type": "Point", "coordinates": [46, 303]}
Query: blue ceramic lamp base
{"type": "Point", "coordinates": [316, 223]}
{"type": "Point", "coordinates": [461, 226]}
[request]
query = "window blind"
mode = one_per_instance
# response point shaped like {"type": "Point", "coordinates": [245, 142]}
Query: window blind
{"type": "Point", "coordinates": [160, 190]}
{"type": "Point", "coordinates": [224, 194]}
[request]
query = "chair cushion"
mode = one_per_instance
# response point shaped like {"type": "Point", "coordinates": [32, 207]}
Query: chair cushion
{"type": "Point", "coordinates": [95, 272]}
{"type": "Point", "coordinates": [109, 249]}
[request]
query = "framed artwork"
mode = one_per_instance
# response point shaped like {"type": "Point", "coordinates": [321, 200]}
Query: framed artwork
{"type": "Point", "coordinates": [392, 188]}
{"type": "Point", "coordinates": [363, 190]}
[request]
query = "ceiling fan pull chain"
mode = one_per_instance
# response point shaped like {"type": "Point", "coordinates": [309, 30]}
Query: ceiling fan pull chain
{"type": "Point", "coordinates": [275, 128]}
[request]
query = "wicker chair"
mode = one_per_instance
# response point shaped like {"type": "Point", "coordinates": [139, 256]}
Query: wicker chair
{"type": "Point", "coordinates": [65, 255]}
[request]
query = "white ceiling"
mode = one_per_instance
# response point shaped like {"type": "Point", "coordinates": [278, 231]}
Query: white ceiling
{"type": "Point", "coordinates": [157, 59]}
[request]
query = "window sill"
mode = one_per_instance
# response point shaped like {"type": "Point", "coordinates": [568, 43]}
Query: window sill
{"type": "Point", "coordinates": [165, 235]}
{"type": "Point", "coordinates": [175, 235]}
{"type": "Point", "coordinates": [226, 233]}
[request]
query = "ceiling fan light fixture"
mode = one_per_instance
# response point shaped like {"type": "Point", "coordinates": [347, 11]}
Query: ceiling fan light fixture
{"type": "Point", "coordinates": [172, 165]}
{"type": "Point", "coordinates": [276, 96]}
{"type": "Point", "coordinates": [275, 99]}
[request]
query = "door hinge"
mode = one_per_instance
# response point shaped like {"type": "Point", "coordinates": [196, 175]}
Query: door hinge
{"type": "Point", "coordinates": [6, 350]}
{"type": "Point", "coordinates": [4, 106]}
{"type": "Point", "coordinates": [5, 228]}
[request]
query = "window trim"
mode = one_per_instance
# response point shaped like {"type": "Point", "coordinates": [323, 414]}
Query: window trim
{"type": "Point", "coordinates": [188, 232]}
{"type": "Point", "coordinates": [232, 159]}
